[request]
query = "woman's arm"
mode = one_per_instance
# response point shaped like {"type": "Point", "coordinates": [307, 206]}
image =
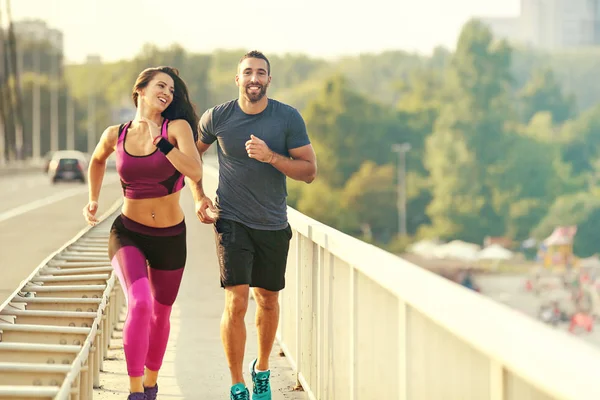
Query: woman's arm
{"type": "Point", "coordinates": [185, 156]}
{"type": "Point", "coordinates": [104, 148]}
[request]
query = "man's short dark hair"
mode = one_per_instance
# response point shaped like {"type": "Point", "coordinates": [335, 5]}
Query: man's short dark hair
{"type": "Point", "coordinates": [257, 54]}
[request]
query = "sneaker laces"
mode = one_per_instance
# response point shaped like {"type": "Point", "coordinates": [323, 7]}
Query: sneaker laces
{"type": "Point", "coordinates": [261, 384]}
{"type": "Point", "coordinates": [243, 395]}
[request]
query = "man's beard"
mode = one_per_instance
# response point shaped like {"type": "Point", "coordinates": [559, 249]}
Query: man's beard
{"type": "Point", "coordinates": [256, 97]}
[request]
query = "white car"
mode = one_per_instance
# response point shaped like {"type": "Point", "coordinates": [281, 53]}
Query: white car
{"type": "Point", "coordinates": [68, 165]}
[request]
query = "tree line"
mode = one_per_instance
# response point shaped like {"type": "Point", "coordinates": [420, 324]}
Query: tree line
{"type": "Point", "coordinates": [504, 140]}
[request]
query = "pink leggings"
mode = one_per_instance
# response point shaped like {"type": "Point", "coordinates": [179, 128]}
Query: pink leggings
{"type": "Point", "coordinates": [150, 291]}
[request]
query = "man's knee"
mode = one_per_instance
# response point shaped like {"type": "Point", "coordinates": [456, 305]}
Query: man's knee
{"type": "Point", "coordinates": [266, 299]}
{"type": "Point", "coordinates": [236, 300]}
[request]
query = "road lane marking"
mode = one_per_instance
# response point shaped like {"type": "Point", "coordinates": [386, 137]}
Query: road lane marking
{"type": "Point", "coordinates": [22, 209]}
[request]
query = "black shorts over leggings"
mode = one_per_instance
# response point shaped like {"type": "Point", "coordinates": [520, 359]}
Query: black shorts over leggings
{"type": "Point", "coordinates": [250, 256]}
{"type": "Point", "coordinates": [164, 248]}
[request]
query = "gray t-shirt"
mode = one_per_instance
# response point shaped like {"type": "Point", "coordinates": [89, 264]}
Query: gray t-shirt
{"type": "Point", "coordinates": [252, 192]}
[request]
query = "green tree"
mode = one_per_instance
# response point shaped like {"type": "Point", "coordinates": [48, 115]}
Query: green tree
{"type": "Point", "coordinates": [371, 74]}
{"type": "Point", "coordinates": [581, 149]}
{"type": "Point", "coordinates": [370, 195]}
{"type": "Point", "coordinates": [544, 93]}
{"type": "Point", "coordinates": [422, 96]}
{"type": "Point", "coordinates": [527, 183]}
{"type": "Point", "coordinates": [469, 140]}
{"type": "Point", "coordinates": [347, 129]}
{"type": "Point", "coordinates": [322, 202]}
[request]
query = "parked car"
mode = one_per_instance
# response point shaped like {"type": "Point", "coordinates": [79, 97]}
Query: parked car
{"type": "Point", "coordinates": [68, 165]}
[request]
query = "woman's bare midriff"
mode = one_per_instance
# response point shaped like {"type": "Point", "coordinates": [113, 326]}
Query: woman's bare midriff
{"type": "Point", "coordinates": [159, 212]}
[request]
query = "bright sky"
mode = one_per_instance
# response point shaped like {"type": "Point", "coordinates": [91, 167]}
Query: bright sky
{"type": "Point", "coordinates": [117, 29]}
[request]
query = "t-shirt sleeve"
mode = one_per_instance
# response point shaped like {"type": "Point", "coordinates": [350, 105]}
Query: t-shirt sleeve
{"type": "Point", "coordinates": [205, 126]}
{"type": "Point", "coordinates": [296, 135]}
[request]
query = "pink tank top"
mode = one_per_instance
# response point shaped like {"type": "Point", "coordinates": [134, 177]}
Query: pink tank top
{"type": "Point", "coordinates": [149, 176]}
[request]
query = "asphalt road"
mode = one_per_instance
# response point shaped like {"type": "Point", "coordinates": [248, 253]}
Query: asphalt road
{"type": "Point", "coordinates": [37, 217]}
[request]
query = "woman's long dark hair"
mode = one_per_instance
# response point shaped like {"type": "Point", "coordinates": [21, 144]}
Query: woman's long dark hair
{"type": "Point", "coordinates": [181, 107]}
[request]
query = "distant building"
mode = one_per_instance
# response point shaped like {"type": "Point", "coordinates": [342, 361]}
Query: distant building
{"type": "Point", "coordinates": [94, 59]}
{"type": "Point", "coordinates": [37, 30]}
{"type": "Point", "coordinates": [551, 24]}
{"type": "Point", "coordinates": [556, 24]}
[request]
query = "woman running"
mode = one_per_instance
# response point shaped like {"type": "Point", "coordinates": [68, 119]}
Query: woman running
{"type": "Point", "coordinates": [147, 244]}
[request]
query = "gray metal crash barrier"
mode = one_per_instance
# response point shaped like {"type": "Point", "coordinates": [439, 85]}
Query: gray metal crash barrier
{"type": "Point", "coordinates": [55, 328]}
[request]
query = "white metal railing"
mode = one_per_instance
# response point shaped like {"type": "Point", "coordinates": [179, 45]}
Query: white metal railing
{"type": "Point", "coordinates": [56, 327]}
{"type": "Point", "coordinates": [360, 323]}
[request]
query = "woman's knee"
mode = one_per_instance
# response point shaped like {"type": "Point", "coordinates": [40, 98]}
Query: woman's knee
{"type": "Point", "coordinates": [140, 298]}
{"type": "Point", "coordinates": [161, 313]}
{"type": "Point", "coordinates": [141, 305]}
{"type": "Point", "coordinates": [165, 284]}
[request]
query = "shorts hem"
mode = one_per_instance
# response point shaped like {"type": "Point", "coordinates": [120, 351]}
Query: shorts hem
{"type": "Point", "coordinates": [265, 287]}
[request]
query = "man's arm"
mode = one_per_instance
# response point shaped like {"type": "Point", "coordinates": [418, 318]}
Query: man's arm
{"type": "Point", "coordinates": [302, 166]}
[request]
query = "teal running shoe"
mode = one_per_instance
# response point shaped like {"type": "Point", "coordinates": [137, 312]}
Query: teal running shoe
{"type": "Point", "coordinates": [260, 380]}
{"type": "Point", "coordinates": [239, 392]}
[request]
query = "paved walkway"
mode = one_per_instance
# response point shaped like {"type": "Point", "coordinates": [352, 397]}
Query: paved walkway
{"type": "Point", "coordinates": [195, 367]}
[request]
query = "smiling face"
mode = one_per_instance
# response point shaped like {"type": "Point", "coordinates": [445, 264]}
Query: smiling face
{"type": "Point", "coordinates": [253, 79]}
{"type": "Point", "coordinates": [158, 93]}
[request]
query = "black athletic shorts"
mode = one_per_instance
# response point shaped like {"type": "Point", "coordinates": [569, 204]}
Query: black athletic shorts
{"type": "Point", "coordinates": [252, 257]}
{"type": "Point", "coordinates": [164, 248]}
